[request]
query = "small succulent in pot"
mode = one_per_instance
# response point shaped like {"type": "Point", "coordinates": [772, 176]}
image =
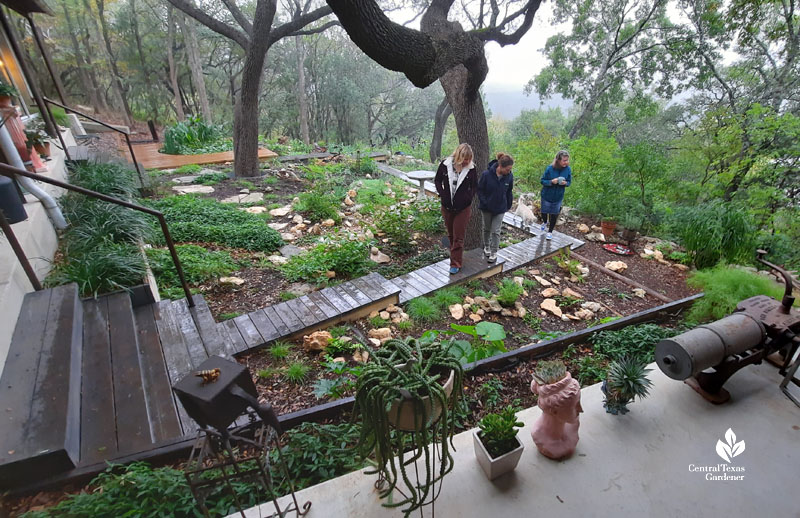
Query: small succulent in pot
{"type": "Point", "coordinates": [626, 380]}
{"type": "Point", "coordinates": [547, 372]}
{"type": "Point", "coordinates": [499, 431]}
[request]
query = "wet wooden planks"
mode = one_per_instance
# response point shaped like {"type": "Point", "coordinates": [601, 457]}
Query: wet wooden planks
{"type": "Point", "coordinates": [535, 230]}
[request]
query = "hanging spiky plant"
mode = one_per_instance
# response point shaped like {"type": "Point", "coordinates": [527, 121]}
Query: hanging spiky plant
{"type": "Point", "coordinates": [626, 380]}
{"type": "Point", "coordinates": [403, 372]}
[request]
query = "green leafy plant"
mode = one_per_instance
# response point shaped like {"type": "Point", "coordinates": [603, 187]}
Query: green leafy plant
{"type": "Point", "coordinates": [317, 205]}
{"type": "Point", "coordinates": [715, 230]}
{"type": "Point", "coordinates": [339, 346]}
{"type": "Point", "coordinates": [404, 325]}
{"type": "Point", "coordinates": [337, 387]}
{"type": "Point", "coordinates": [428, 216]}
{"type": "Point", "coordinates": [394, 223]}
{"type": "Point", "coordinates": [591, 369]}
{"type": "Point", "coordinates": [199, 265]}
{"type": "Point", "coordinates": [636, 342]}
{"type": "Point", "coordinates": [490, 392]}
{"type": "Point", "coordinates": [194, 136]}
{"type": "Point", "coordinates": [286, 295]}
{"type": "Point", "coordinates": [508, 292]}
{"type": "Point", "coordinates": [7, 90]}
{"type": "Point", "coordinates": [210, 178]}
{"type": "Point", "coordinates": [423, 310]}
{"type": "Point", "coordinates": [404, 372]}
{"type": "Point", "coordinates": [267, 373]}
{"type": "Point", "coordinates": [346, 258]}
{"type": "Point", "coordinates": [296, 372]}
{"type": "Point", "coordinates": [625, 381]}
{"type": "Point", "coordinates": [549, 371]}
{"type": "Point", "coordinates": [532, 321]}
{"type": "Point", "coordinates": [378, 322]}
{"type": "Point", "coordinates": [228, 316]}
{"type": "Point", "coordinates": [107, 267]}
{"type": "Point", "coordinates": [499, 432]}
{"type": "Point", "coordinates": [446, 297]}
{"type": "Point", "coordinates": [488, 339]}
{"type": "Point", "coordinates": [337, 331]}
{"type": "Point", "coordinates": [188, 169]}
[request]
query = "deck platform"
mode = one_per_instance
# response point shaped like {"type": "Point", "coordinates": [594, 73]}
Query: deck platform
{"type": "Point", "coordinates": [148, 156]}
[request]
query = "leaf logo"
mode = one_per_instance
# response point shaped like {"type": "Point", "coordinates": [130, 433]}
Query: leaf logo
{"type": "Point", "coordinates": [731, 449]}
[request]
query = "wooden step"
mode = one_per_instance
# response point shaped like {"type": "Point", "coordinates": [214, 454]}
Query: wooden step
{"type": "Point", "coordinates": [40, 388]}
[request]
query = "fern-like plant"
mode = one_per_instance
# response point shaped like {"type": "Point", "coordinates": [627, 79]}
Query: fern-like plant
{"type": "Point", "coordinates": [402, 373]}
{"type": "Point", "coordinates": [626, 380]}
{"type": "Point", "coordinates": [547, 372]}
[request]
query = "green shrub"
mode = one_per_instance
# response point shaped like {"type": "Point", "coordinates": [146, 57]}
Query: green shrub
{"type": "Point", "coordinates": [194, 136]}
{"type": "Point", "coordinates": [338, 346]}
{"type": "Point", "coordinates": [338, 331]}
{"type": "Point", "coordinates": [319, 206]}
{"type": "Point", "coordinates": [279, 350]}
{"type": "Point", "coordinates": [346, 258]}
{"type": "Point", "coordinates": [724, 287]}
{"type": "Point", "coordinates": [378, 322]}
{"type": "Point", "coordinates": [92, 221]}
{"type": "Point", "coordinates": [363, 166]}
{"type": "Point", "coordinates": [490, 391]}
{"type": "Point", "coordinates": [423, 310]}
{"type": "Point", "coordinates": [428, 216]}
{"type": "Point", "coordinates": [199, 265]}
{"type": "Point", "coordinates": [713, 231]}
{"type": "Point", "coordinates": [198, 219]}
{"type": "Point", "coordinates": [636, 342]}
{"type": "Point", "coordinates": [508, 292]}
{"type": "Point", "coordinates": [188, 169]}
{"type": "Point", "coordinates": [59, 116]}
{"type": "Point", "coordinates": [104, 268]}
{"type": "Point", "coordinates": [112, 179]}
{"type": "Point", "coordinates": [591, 369]}
{"type": "Point", "coordinates": [228, 316]}
{"type": "Point", "coordinates": [394, 223]}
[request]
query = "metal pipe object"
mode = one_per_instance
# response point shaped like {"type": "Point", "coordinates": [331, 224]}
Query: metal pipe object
{"type": "Point", "coordinates": [705, 346]}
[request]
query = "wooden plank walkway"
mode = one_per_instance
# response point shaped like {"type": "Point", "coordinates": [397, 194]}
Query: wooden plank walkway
{"type": "Point", "coordinates": [510, 219]}
{"type": "Point", "coordinates": [149, 157]}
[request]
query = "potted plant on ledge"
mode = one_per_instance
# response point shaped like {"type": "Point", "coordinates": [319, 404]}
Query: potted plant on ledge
{"type": "Point", "coordinates": [6, 93]}
{"type": "Point", "coordinates": [38, 140]}
{"type": "Point", "coordinates": [406, 398]}
{"type": "Point", "coordinates": [497, 447]}
{"type": "Point", "coordinates": [626, 380]}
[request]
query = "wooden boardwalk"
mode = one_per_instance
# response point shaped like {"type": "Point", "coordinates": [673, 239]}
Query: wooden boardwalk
{"type": "Point", "coordinates": [149, 157]}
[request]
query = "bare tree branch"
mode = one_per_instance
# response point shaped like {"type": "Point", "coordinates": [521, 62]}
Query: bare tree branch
{"type": "Point", "coordinates": [240, 18]}
{"type": "Point", "coordinates": [215, 25]}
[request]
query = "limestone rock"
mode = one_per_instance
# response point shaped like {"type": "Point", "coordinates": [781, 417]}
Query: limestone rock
{"type": "Point", "coordinates": [247, 197]}
{"type": "Point", "coordinates": [231, 280]}
{"type": "Point", "coordinates": [193, 189]}
{"type": "Point", "coordinates": [567, 292]}
{"type": "Point", "coordinates": [597, 237]}
{"type": "Point", "coordinates": [549, 292]}
{"type": "Point", "coordinates": [544, 282]}
{"type": "Point", "coordinates": [379, 257]}
{"type": "Point", "coordinates": [457, 311]}
{"type": "Point", "coordinates": [374, 341]}
{"type": "Point", "coordinates": [584, 314]}
{"type": "Point", "coordinates": [520, 309]}
{"type": "Point", "coordinates": [316, 341]}
{"type": "Point", "coordinates": [583, 228]}
{"type": "Point", "coordinates": [281, 211]}
{"type": "Point", "coordinates": [299, 228]}
{"type": "Point", "coordinates": [394, 309]}
{"type": "Point", "coordinates": [361, 355]}
{"type": "Point", "coordinates": [277, 259]}
{"type": "Point", "coordinates": [534, 272]}
{"type": "Point", "coordinates": [352, 193]}
{"type": "Point", "coordinates": [328, 223]}
{"type": "Point", "coordinates": [551, 306]}
{"type": "Point", "coordinates": [300, 288]}
{"type": "Point", "coordinates": [518, 281]}
{"type": "Point", "coordinates": [297, 219]}
{"type": "Point", "coordinates": [572, 317]}
{"type": "Point", "coordinates": [255, 210]}
{"type": "Point", "coordinates": [330, 274]}
{"type": "Point", "coordinates": [481, 312]}
{"type": "Point", "coordinates": [374, 314]}
{"type": "Point", "coordinates": [288, 236]}
{"type": "Point", "coordinates": [616, 266]}
{"type": "Point", "coordinates": [595, 228]}
{"type": "Point", "coordinates": [469, 300]}
{"type": "Point", "coordinates": [277, 226]}
{"type": "Point", "coordinates": [186, 179]}
{"type": "Point", "coordinates": [555, 280]}
{"type": "Point", "coordinates": [382, 333]}
{"type": "Point", "coordinates": [639, 292]}
{"type": "Point", "coordinates": [348, 201]}
{"type": "Point", "coordinates": [385, 315]}
{"type": "Point", "coordinates": [475, 317]}
{"type": "Point", "coordinates": [592, 306]}
{"type": "Point", "coordinates": [495, 306]}
{"type": "Point", "coordinates": [290, 250]}
{"type": "Point", "coordinates": [508, 313]}
{"type": "Point", "coordinates": [681, 267]}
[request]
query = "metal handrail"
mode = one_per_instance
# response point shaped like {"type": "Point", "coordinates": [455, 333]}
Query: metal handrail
{"type": "Point", "coordinates": [7, 170]}
{"type": "Point", "coordinates": [109, 126]}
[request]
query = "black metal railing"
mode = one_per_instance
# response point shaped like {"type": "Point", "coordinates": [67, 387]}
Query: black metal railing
{"type": "Point", "coordinates": [109, 126]}
{"type": "Point", "coordinates": [7, 170]}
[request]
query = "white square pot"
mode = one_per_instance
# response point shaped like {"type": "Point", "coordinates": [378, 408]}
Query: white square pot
{"type": "Point", "coordinates": [494, 467]}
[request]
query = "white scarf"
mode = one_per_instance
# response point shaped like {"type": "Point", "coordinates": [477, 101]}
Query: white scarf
{"type": "Point", "coordinates": [457, 178]}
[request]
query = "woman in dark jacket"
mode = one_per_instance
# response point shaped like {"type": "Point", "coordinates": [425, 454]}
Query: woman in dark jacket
{"type": "Point", "coordinates": [555, 179]}
{"type": "Point", "coordinates": [456, 182]}
{"type": "Point", "coordinates": [494, 194]}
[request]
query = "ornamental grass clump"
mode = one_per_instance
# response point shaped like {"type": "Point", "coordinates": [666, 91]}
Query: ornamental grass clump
{"type": "Point", "coordinates": [402, 373]}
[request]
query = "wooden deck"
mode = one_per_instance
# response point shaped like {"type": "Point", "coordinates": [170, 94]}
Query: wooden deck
{"type": "Point", "coordinates": [149, 157]}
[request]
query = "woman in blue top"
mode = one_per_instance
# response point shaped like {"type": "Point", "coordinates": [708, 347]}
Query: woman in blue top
{"type": "Point", "coordinates": [555, 179]}
{"type": "Point", "coordinates": [494, 194]}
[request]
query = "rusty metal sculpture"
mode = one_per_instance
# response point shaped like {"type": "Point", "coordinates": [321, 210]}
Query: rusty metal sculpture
{"type": "Point", "coordinates": [223, 454]}
{"type": "Point", "coordinates": [708, 355]}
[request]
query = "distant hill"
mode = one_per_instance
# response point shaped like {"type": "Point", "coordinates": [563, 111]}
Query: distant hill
{"type": "Point", "coordinates": [509, 102]}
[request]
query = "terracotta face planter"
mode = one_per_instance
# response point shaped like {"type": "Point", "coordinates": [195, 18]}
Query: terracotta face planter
{"type": "Point", "coordinates": [5, 101]}
{"type": "Point", "coordinates": [555, 433]}
{"type": "Point", "coordinates": [43, 149]}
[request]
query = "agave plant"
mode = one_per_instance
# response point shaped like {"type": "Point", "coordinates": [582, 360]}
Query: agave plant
{"type": "Point", "coordinates": [626, 380]}
{"type": "Point", "coordinates": [548, 372]}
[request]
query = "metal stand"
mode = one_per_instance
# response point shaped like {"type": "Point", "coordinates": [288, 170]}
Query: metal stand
{"type": "Point", "coordinates": [221, 459]}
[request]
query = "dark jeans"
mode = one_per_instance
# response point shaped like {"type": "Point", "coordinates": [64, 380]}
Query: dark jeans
{"type": "Point", "coordinates": [550, 219]}
{"type": "Point", "coordinates": [456, 225]}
